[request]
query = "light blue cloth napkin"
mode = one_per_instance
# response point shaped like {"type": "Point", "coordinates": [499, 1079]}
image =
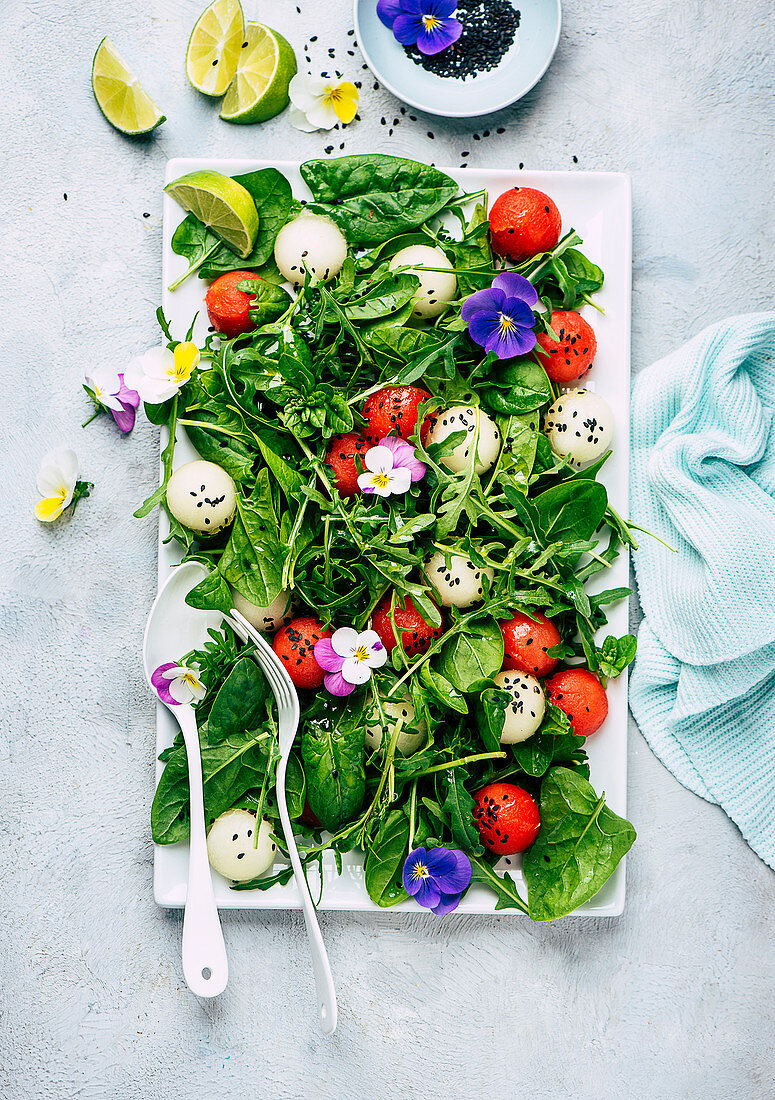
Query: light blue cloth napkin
{"type": "Point", "coordinates": [703, 478]}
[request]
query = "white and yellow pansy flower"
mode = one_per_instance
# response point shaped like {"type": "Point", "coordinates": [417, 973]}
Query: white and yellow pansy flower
{"type": "Point", "coordinates": [159, 373]}
{"type": "Point", "coordinates": [57, 479]}
{"type": "Point", "coordinates": [318, 103]}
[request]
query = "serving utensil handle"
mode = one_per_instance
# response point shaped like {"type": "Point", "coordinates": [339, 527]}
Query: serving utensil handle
{"type": "Point", "coordinates": [205, 965]}
{"type": "Point", "coordinates": [324, 982]}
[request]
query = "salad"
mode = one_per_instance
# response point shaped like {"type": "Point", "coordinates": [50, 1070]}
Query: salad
{"type": "Point", "coordinates": [398, 487]}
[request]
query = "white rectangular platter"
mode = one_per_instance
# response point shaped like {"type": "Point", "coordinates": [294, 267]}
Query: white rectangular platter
{"type": "Point", "coordinates": [598, 206]}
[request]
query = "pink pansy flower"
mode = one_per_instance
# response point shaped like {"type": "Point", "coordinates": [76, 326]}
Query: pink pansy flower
{"type": "Point", "coordinates": [111, 393]}
{"type": "Point", "coordinates": [348, 658]}
{"type": "Point", "coordinates": [177, 684]}
{"type": "Point", "coordinates": [390, 468]}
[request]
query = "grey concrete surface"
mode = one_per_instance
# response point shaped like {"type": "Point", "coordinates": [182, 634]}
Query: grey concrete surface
{"type": "Point", "coordinates": [675, 999]}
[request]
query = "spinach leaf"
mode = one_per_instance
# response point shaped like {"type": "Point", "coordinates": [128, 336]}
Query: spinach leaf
{"type": "Point", "coordinates": [333, 755]}
{"type": "Point", "coordinates": [295, 787]}
{"type": "Point", "coordinates": [383, 299]}
{"type": "Point", "coordinates": [536, 755]}
{"type": "Point", "coordinates": [211, 594]}
{"type": "Point", "coordinates": [240, 703]}
{"type": "Point", "coordinates": [571, 511]}
{"type": "Point", "coordinates": [375, 197]}
{"type": "Point", "coordinates": [473, 253]}
{"type": "Point", "coordinates": [196, 243]}
{"type": "Point", "coordinates": [252, 561]}
{"type": "Point", "coordinates": [271, 193]}
{"type": "Point", "coordinates": [385, 860]}
{"type": "Point", "coordinates": [471, 658]}
{"type": "Point", "coordinates": [491, 716]}
{"type": "Point", "coordinates": [521, 387]}
{"type": "Point", "coordinates": [578, 848]}
{"type": "Point", "coordinates": [442, 689]}
{"type": "Point", "coordinates": [229, 769]}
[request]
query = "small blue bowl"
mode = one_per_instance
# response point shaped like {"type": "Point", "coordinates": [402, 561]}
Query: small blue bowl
{"type": "Point", "coordinates": [520, 69]}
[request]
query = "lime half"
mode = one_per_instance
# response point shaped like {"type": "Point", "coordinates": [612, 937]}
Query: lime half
{"type": "Point", "coordinates": [119, 94]}
{"type": "Point", "coordinates": [222, 204]}
{"type": "Point", "coordinates": [266, 67]}
{"type": "Point", "coordinates": [215, 46]}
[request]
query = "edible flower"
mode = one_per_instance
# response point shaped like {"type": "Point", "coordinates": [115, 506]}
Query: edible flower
{"type": "Point", "coordinates": [318, 103]}
{"type": "Point", "coordinates": [58, 484]}
{"type": "Point", "coordinates": [437, 877]}
{"type": "Point", "coordinates": [109, 391]}
{"type": "Point", "coordinates": [177, 684]}
{"type": "Point", "coordinates": [348, 658]}
{"type": "Point", "coordinates": [390, 468]}
{"type": "Point", "coordinates": [427, 24]}
{"type": "Point", "coordinates": [501, 319]}
{"type": "Point", "coordinates": [159, 373]}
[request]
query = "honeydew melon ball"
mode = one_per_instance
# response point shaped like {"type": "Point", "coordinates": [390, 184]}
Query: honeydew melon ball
{"type": "Point", "coordinates": [267, 619]}
{"type": "Point", "coordinates": [525, 711]}
{"type": "Point", "coordinates": [580, 427]}
{"type": "Point", "coordinates": [463, 418]}
{"type": "Point", "coordinates": [202, 496]}
{"type": "Point", "coordinates": [455, 579]}
{"type": "Point", "coordinates": [310, 243]}
{"type": "Point", "coordinates": [408, 741]}
{"type": "Point", "coordinates": [437, 288]}
{"type": "Point", "coordinates": [231, 850]}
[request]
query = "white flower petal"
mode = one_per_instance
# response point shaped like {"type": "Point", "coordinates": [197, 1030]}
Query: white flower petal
{"type": "Point", "coordinates": [298, 120]}
{"type": "Point", "coordinates": [400, 479]}
{"type": "Point", "coordinates": [198, 690]}
{"type": "Point", "coordinates": [157, 363]}
{"type": "Point", "coordinates": [58, 470]}
{"type": "Point", "coordinates": [323, 115]}
{"type": "Point", "coordinates": [379, 460]}
{"type": "Point", "coordinates": [355, 671]}
{"type": "Point", "coordinates": [106, 380]}
{"type": "Point", "coordinates": [306, 91]}
{"type": "Point", "coordinates": [369, 638]}
{"type": "Point", "coordinates": [345, 641]}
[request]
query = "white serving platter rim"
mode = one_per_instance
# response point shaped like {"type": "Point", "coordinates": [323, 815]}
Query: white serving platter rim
{"type": "Point", "coordinates": [599, 206]}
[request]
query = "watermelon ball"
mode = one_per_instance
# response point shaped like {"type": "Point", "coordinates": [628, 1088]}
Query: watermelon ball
{"type": "Point", "coordinates": [395, 409]}
{"type": "Point", "coordinates": [581, 695]}
{"type": "Point", "coordinates": [228, 306]}
{"type": "Point", "coordinates": [524, 222]}
{"type": "Point", "coordinates": [294, 644]}
{"type": "Point", "coordinates": [416, 634]}
{"type": "Point", "coordinates": [507, 818]}
{"type": "Point", "coordinates": [525, 642]}
{"type": "Point", "coordinates": [340, 457]}
{"type": "Point", "coordinates": [571, 358]}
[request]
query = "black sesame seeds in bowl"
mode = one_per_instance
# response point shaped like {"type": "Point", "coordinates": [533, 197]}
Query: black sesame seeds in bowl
{"type": "Point", "coordinates": [503, 50]}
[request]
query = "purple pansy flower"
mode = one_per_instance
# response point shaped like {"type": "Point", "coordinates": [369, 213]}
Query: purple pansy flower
{"type": "Point", "coordinates": [427, 24]}
{"type": "Point", "coordinates": [109, 391]}
{"type": "Point", "coordinates": [390, 467]}
{"type": "Point", "coordinates": [388, 11]}
{"type": "Point", "coordinates": [437, 877]}
{"type": "Point", "coordinates": [501, 319]}
{"type": "Point", "coordinates": [348, 658]}
{"type": "Point", "coordinates": [177, 684]}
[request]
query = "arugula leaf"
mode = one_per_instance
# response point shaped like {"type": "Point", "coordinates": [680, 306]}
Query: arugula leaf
{"type": "Point", "coordinates": [459, 804]}
{"type": "Point", "coordinates": [578, 848]}
{"type": "Point", "coordinates": [503, 886]}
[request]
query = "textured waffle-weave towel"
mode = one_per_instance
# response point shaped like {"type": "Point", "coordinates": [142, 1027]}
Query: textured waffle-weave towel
{"type": "Point", "coordinates": [703, 478]}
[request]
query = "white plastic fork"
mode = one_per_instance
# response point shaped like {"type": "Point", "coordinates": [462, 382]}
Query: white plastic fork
{"type": "Point", "coordinates": [288, 715]}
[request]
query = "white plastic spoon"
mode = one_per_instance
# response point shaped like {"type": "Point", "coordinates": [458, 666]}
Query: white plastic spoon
{"type": "Point", "coordinates": [174, 629]}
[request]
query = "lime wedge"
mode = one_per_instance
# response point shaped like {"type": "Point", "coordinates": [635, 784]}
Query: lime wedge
{"type": "Point", "coordinates": [215, 46]}
{"type": "Point", "coordinates": [120, 96]}
{"type": "Point", "coordinates": [222, 204]}
{"type": "Point", "coordinates": [259, 90]}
